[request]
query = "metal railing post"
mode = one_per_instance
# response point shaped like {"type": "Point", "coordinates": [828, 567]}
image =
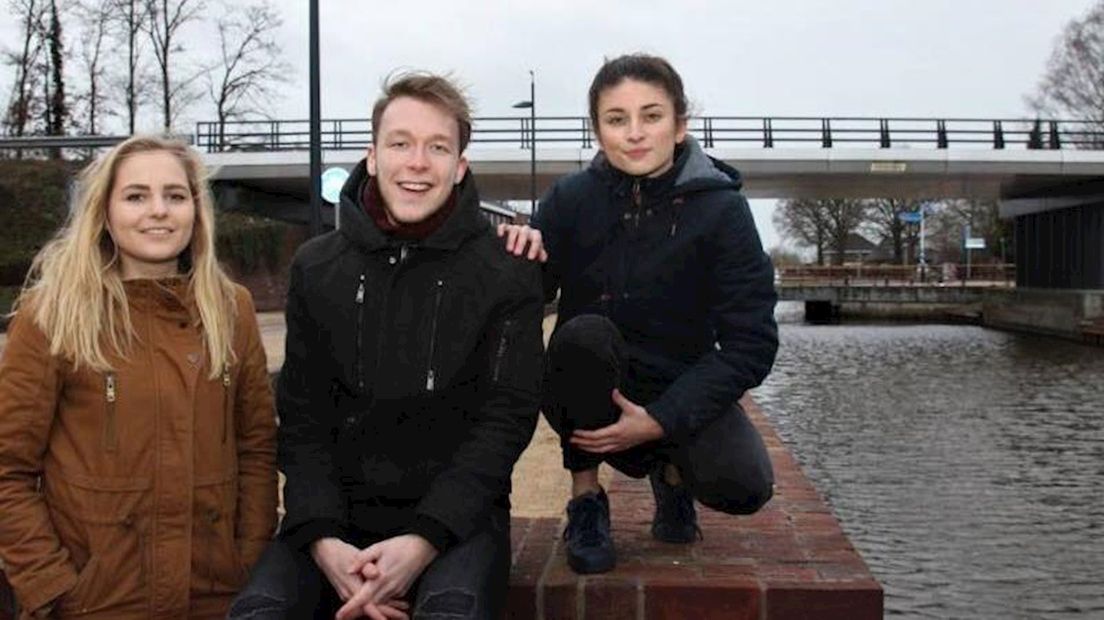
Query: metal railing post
{"type": "Point", "coordinates": [826, 133]}
{"type": "Point", "coordinates": [586, 132]}
{"type": "Point", "coordinates": [1055, 142]}
{"type": "Point", "coordinates": [941, 134]}
{"type": "Point", "coordinates": [883, 131]}
{"type": "Point", "coordinates": [998, 135]}
{"type": "Point", "coordinates": [768, 134]}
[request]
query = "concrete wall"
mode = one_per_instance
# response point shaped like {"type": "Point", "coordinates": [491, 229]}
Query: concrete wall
{"type": "Point", "coordinates": [1060, 313]}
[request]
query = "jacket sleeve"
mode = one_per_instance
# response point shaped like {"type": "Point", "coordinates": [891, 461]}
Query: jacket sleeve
{"type": "Point", "coordinates": [255, 417]}
{"type": "Point", "coordinates": [312, 496]}
{"type": "Point", "coordinates": [35, 562]}
{"type": "Point", "coordinates": [553, 223]}
{"type": "Point", "coordinates": [503, 418]}
{"type": "Point", "coordinates": [742, 299]}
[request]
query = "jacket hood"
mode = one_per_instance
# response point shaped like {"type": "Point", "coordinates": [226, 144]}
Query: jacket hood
{"type": "Point", "coordinates": [357, 226]}
{"type": "Point", "coordinates": [692, 171]}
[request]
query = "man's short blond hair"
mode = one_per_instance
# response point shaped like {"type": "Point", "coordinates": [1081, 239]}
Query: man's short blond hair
{"type": "Point", "coordinates": [428, 88]}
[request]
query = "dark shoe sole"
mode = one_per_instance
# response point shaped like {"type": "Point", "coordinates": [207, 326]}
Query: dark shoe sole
{"type": "Point", "coordinates": [591, 568]}
{"type": "Point", "coordinates": [676, 539]}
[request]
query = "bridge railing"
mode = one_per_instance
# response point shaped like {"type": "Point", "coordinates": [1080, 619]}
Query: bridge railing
{"type": "Point", "coordinates": [713, 131]}
{"type": "Point", "coordinates": [943, 274]}
{"type": "Point", "coordinates": [576, 132]}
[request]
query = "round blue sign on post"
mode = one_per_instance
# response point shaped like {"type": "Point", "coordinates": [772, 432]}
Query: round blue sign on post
{"type": "Point", "coordinates": [333, 179]}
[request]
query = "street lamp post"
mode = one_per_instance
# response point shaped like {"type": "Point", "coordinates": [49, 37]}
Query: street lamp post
{"type": "Point", "coordinates": [315, 128]}
{"type": "Point", "coordinates": [532, 105]}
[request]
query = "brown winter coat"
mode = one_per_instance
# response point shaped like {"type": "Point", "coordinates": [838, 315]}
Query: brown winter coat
{"type": "Point", "coordinates": [145, 492]}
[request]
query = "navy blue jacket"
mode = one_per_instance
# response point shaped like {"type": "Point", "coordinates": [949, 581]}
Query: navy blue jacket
{"type": "Point", "coordinates": [676, 263]}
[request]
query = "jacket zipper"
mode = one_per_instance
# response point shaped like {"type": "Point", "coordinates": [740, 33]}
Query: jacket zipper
{"type": "Point", "coordinates": [227, 402]}
{"type": "Point", "coordinates": [500, 352]}
{"type": "Point", "coordinates": [110, 395]}
{"type": "Point", "coordinates": [638, 203]}
{"type": "Point", "coordinates": [431, 375]}
{"type": "Point", "coordinates": [359, 299]}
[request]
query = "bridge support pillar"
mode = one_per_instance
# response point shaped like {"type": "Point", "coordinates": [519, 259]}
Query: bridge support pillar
{"type": "Point", "coordinates": [821, 311]}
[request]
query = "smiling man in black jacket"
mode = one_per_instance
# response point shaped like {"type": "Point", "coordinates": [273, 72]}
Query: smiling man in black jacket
{"type": "Point", "coordinates": [410, 386]}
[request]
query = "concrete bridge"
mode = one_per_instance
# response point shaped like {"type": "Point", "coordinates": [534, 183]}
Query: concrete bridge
{"type": "Point", "coordinates": [787, 157]}
{"type": "Point", "coordinates": [1047, 175]}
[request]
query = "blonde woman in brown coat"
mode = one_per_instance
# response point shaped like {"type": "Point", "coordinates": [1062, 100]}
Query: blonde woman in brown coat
{"type": "Point", "coordinates": [137, 452]}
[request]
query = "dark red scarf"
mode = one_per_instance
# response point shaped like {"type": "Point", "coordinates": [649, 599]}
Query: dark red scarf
{"type": "Point", "coordinates": [373, 206]}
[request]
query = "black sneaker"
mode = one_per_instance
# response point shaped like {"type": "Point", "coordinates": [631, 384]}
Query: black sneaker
{"type": "Point", "coordinates": [676, 520]}
{"type": "Point", "coordinates": [589, 544]}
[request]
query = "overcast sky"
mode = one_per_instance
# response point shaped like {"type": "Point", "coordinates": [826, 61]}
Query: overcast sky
{"type": "Point", "coordinates": [961, 58]}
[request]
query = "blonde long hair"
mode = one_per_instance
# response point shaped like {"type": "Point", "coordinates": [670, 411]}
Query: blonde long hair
{"type": "Point", "coordinates": [74, 289]}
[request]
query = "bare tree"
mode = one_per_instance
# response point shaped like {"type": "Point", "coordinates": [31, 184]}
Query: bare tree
{"type": "Point", "coordinates": [249, 65]}
{"type": "Point", "coordinates": [884, 221]}
{"type": "Point", "coordinates": [954, 219]}
{"type": "Point", "coordinates": [26, 60]}
{"type": "Point", "coordinates": [166, 18]}
{"type": "Point", "coordinates": [1073, 84]}
{"type": "Point", "coordinates": [131, 17]}
{"type": "Point", "coordinates": [844, 215]}
{"type": "Point", "coordinates": [805, 222]}
{"type": "Point", "coordinates": [57, 104]}
{"type": "Point", "coordinates": [96, 16]}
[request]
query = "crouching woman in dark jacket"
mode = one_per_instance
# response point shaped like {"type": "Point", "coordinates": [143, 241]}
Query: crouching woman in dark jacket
{"type": "Point", "coordinates": [665, 315]}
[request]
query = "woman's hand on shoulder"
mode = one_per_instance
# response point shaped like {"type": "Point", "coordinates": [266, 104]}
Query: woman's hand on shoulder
{"type": "Point", "coordinates": [523, 240]}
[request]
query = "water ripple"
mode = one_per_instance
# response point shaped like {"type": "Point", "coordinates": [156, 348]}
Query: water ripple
{"type": "Point", "coordinates": [966, 465]}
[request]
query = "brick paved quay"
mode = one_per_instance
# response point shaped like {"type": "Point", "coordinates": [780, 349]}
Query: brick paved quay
{"type": "Point", "coordinates": [789, 561]}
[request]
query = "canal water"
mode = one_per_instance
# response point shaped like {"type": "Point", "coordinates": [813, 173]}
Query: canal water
{"type": "Point", "coordinates": [965, 464]}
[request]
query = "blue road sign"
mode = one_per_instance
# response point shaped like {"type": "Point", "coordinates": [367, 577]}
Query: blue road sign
{"type": "Point", "coordinates": [912, 217]}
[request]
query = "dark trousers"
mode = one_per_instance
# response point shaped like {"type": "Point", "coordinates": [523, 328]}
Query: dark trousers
{"type": "Point", "coordinates": [467, 581]}
{"type": "Point", "coordinates": [725, 464]}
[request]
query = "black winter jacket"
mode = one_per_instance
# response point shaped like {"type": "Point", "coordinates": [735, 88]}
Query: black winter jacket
{"type": "Point", "coordinates": [676, 263]}
{"type": "Point", "coordinates": [411, 380]}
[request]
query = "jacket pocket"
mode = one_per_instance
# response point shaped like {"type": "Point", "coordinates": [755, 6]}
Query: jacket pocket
{"type": "Point", "coordinates": [515, 362]}
{"type": "Point", "coordinates": [107, 522]}
{"type": "Point", "coordinates": [216, 560]}
{"type": "Point", "coordinates": [501, 349]}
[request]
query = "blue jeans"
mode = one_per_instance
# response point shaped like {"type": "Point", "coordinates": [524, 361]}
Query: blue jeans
{"type": "Point", "coordinates": [467, 581]}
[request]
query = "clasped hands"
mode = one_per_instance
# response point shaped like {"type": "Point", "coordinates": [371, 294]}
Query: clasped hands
{"type": "Point", "coordinates": [373, 581]}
